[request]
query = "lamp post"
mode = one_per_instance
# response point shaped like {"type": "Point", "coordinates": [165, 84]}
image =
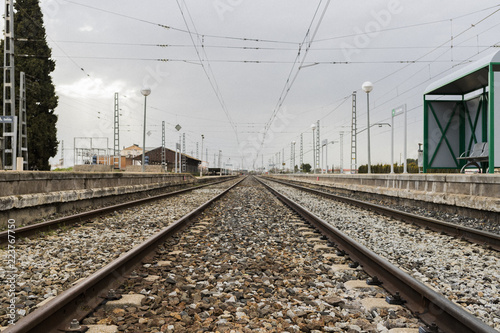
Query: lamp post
{"type": "Point", "coordinates": [220, 155]}
{"type": "Point", "coordinates": [145, 92]}
{"type": "Point", "coordinates": [373, 125]}
{"type": "Point", "coordinates": [313, 126]}
{"type": "Point", "coordinates": [367, 87]}
{"type": "Point", "coordinates": [325, 144]}
{"type": "Point", "coordinates": [201, 165]}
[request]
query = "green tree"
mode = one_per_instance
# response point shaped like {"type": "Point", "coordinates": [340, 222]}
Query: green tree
{"type": "Point", "coordinates": [306, 167]}
{"type": "Point", "coordinates": [33, 56]}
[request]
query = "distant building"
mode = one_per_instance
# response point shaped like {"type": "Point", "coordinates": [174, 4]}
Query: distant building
{"type": "Point", "coordinates": [154, 155]}
{"type": "Point", "coordinates": [128, 154]}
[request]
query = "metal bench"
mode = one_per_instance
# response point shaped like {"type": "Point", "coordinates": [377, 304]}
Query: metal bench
{"type": "Point", "coordinates": [478, 154]}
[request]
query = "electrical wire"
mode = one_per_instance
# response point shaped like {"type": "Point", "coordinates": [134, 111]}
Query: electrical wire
{"type": "Point", "coordinates": [290, 80]}
{"type": "Point", "coordinates": [19, 6]}
{"type": "Point", "coordinates": [178, 29]}
{"type": "Point", "coordinates": [208, 71]}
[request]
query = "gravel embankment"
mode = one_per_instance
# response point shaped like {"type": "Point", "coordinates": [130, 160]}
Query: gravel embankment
{"type": "Point", "coordinates": [476, 223]}
{"type": "Point", "coordinates": [51, 263]}
{"type": "Point", "coordinates": [249, 265]}
{"type": "Point", "coordinates": [468, 274]}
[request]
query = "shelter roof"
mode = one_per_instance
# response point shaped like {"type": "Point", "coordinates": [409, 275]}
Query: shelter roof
{"type": "Point", "coordinates": [467, 79]}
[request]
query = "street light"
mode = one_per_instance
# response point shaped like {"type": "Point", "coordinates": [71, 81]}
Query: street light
{"type": "Point", "coordinates": [293, 157]}
{"type": "Point", "coordinates": [145, 92]}
{"type": "Point", "coordinates": [313, 126]}
{"type": "Point", "coordinates": [372, 125]}
{"type": "Point", "coordinates": [201, 165]}
{"type": "Point", "coordinates": [367, 87]}
{"type": "Point", "coordinates": [325, 144]}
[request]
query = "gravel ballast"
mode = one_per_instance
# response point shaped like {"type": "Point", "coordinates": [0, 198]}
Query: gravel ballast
{"type": "Point", "coordinates": [468, 274]}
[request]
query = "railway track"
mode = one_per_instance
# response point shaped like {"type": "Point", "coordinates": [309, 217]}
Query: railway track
{"type": "Point", "coordinates": [87, 215]}
{"type": "Point", "coordinates": [471, 234]}
{"type": "Point", "coordinates": [45, 265]}
{"type": "Point", "coordinates": [244, 261]}
{"type": "Point", "coordinates": [466, 273]}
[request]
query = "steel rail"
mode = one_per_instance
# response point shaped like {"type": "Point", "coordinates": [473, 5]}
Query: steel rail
{"type": "Point", "coordinates": [80, 217]}
{"type": "Point", "coordinates": [470, 234]}
{"type": "Point", "coordinates": [81, 299]}
{"type": "Point", "coordinates": [427, 304]}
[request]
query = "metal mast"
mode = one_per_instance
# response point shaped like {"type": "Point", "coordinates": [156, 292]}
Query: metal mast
{"type": "Point", "coordinates": [23, 125]}
{"type": "Point", "coordinates": [183, 152]}
{"type": "Point", "coordinates": [163, 157]}
{"type": "Point", "coordinates": [354, 129]}
{"type": "Point", "coordinates": [341, 152]}
{"type": "Point", "coordinates": [117, 161]}
{"type": "Point", "coordinates": [301, 151]}
{"type": "Point", "coordinates": [283, 159]}
{"type": "Point", "coordinates": [318, 145]}
{"type": "Point", "coordinates": [62, 153]}
{"type": "Point", "coordinates": [9, 129]}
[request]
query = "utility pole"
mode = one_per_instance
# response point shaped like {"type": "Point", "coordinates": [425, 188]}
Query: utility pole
{"type": "Point", "coordinates": [283, 159]}
{"type": "Point", "coordinates": [183, 158]}
{"type": "Point", "coordinates": [23, 124]}
{"type": "Point", "coordinates": [354, 129]}
{"type": "Point", "coordinates": [341, 152]}
{"type": "Point", "coordinates": [62, 153]}
{"type": "Point", "coordinates": [201, 164]}
{"type": "Point", "coordinates": [9, 129]}
{"type": "Point", "coordinates": [163, 155]}
{"type": "Point", "coordinates": [318, 144]}
{"type": "Point", "coordinates": [117, 161]}
{"type": "Point", "coordinates": [301, 152]}
{"type": "Point", "coordinates": [177, 148]}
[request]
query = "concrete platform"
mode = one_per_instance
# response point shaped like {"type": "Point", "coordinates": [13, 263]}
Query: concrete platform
{"type": "Point", "coordinates": [479, 191]}
{"type": "Point", "coordinates": [28, 195]}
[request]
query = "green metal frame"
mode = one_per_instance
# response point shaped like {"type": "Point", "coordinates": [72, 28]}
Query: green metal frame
{"type": "Point", "coordinates": [426, 135]}
{"type": "Point", "coordinates": [485, 114]}
{"type": "Point", "coordinates": [491, 127]}
{"type": "Point", "coordinates": [465, 120]}
{"type": "Point", "coordinates": [443, 133]}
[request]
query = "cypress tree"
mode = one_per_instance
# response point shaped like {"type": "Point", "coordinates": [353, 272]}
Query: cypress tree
{"type": "Point", "coordinates": [33, 56]}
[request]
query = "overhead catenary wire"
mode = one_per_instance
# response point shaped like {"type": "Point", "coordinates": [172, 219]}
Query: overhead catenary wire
{"type": "Point", "coordinates": [56, 44]}
{"type": "Point", "coordinates": [323, 111]}
{"type": "Point", "coordinates": [208, 72]}
{"type": "Point", "coordinates": [435, 60]}
{"type": "Point", "coordinates": [290, 80]}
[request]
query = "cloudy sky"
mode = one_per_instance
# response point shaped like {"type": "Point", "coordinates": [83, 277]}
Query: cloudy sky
{"type": "Point", "coordinates": [252, 75]}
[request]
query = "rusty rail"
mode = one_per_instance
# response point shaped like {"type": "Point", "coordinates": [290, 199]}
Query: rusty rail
{"type": "Point", "coordinates": [81, 299]}
{"type": "Point", "coordinates": [81, 217]}
{"type": "Point", "coordinates": [455, 230]}
{"type": "Point", "coordinates": [431, 307]}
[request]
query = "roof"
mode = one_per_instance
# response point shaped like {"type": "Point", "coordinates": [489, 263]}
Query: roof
{"type": "Point", "coordinates": [159, 148]}
{"type": "Point", "coordinates": [470, 78]}
{"type": "Point", "coordinates": [133, 147]}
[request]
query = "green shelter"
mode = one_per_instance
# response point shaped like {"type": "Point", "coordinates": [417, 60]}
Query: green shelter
{"type": "Point", "coordinates": [459, 113]}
